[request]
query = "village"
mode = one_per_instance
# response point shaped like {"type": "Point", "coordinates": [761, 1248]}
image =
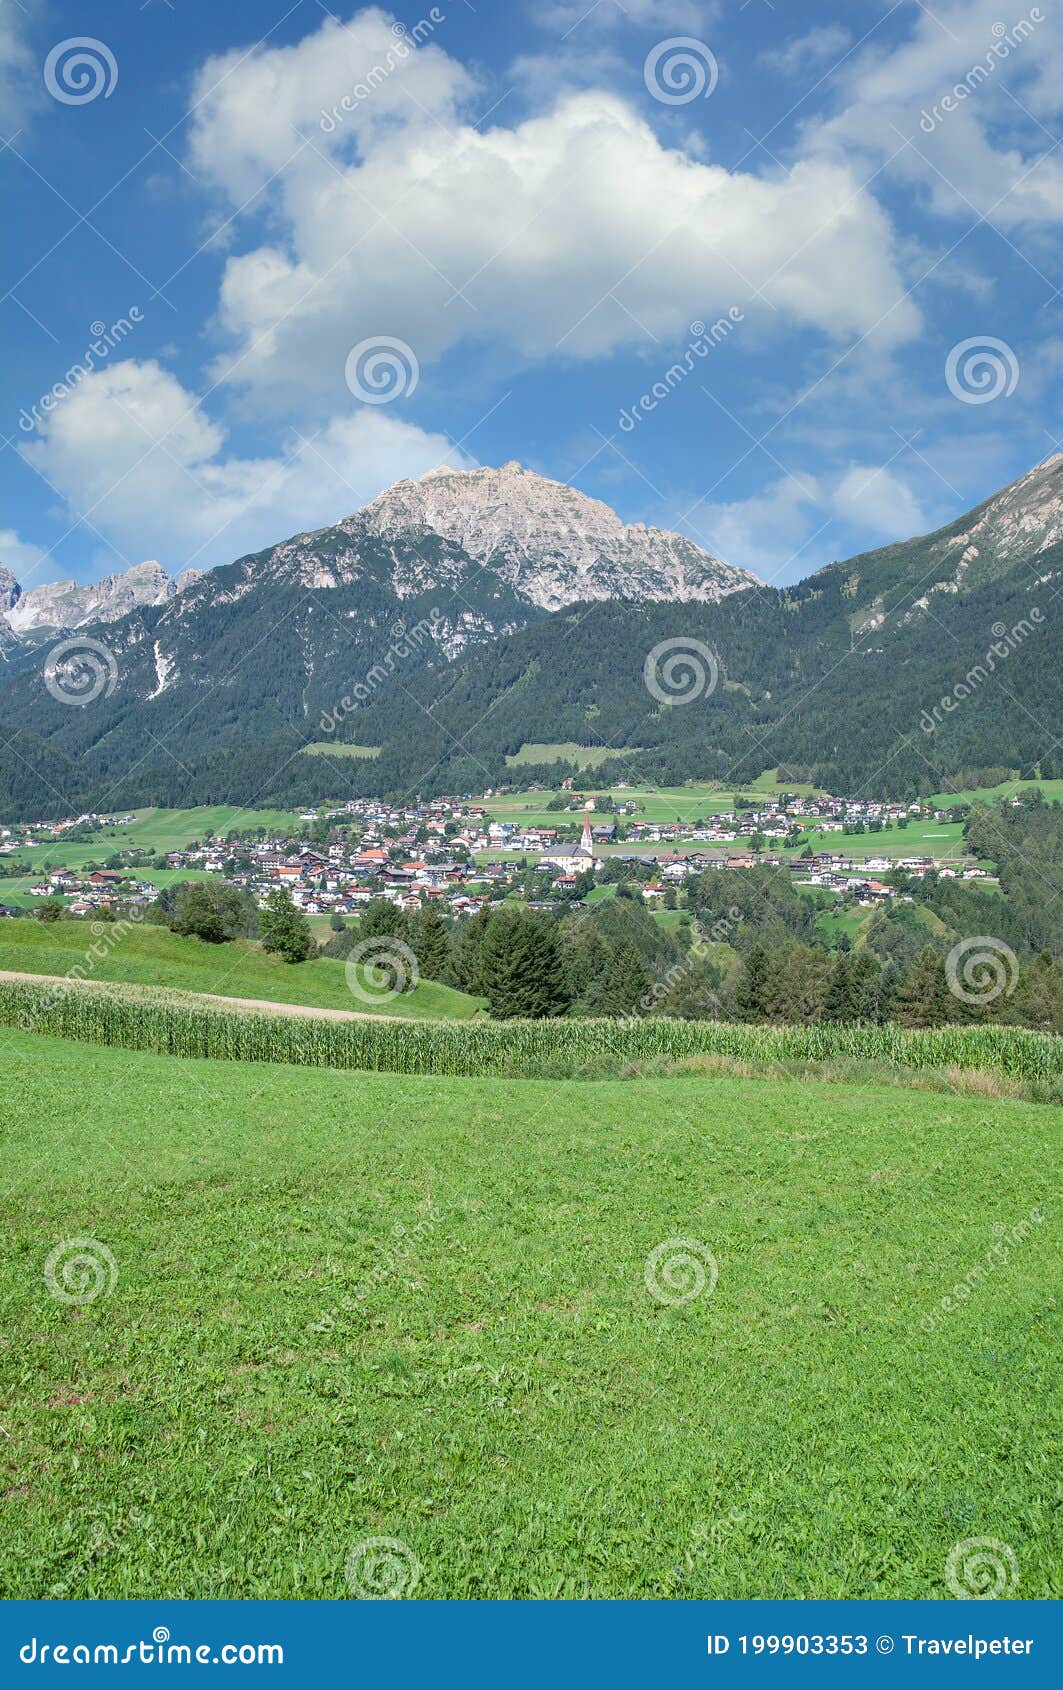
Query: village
{"type": "Point", "coordinates": [453, 852]}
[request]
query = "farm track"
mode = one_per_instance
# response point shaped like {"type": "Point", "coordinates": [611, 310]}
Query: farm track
{"type": "Point", "coordinates": [313, 1011]}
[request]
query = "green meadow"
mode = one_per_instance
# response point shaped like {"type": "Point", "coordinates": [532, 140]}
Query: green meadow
{"type": "Point", "coordinates": [153, 830]}
{"type": "Point", "coordinates": [149, 955]}
{"type": "Point", "coordinates": [346, 1306]}
{"type": "Point", "coordinates": [331, 748]}
{"type": "Point", "coordinates": [585, 756]}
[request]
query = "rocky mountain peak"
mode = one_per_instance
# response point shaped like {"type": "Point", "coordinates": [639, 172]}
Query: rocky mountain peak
{"type": "Point", "coordinates": [58, 605]}
{"type": "Point", "coordinates": [548, 541]}
{"type": "Point", "coordinates": [10, 591]}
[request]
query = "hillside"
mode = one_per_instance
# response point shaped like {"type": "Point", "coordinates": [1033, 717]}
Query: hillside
{"type": "Point", "coordinates": [370, 1305]}
{"type": "Point", "coordinates": [441, 628]}
{"type": "Point", "coordinates": [153, 956]}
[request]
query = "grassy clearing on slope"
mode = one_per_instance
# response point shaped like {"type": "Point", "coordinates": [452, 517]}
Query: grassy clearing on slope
{"type": "Point", "coordinates": [153, 956]}
{"type": "Point", "coordinates": [354, 1306]}
{"type": "Point", "coordinates": [337, 748]}
{"type": "Point", "coordinates": [159, 830]}
{"type": "Point", "coordinates": [584, 756]}
{"type": "Point", "coordinates": [1051, 789]}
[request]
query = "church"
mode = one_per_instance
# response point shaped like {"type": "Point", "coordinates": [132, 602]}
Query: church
{"type": "Point", "coordinates": [576, 860]}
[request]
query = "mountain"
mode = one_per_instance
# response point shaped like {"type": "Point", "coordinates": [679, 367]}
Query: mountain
{"type": "Point", "coordinates": [464, 615]}
{"type": "Point", "coordinates": [42, 611]}
{"type": "Point", "coordinates": [551, 543]}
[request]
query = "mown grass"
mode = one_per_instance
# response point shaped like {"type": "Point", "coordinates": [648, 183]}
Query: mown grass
{"type": "Point", "coordinates": [151, 955]}
{"type": "Point", "coordinates": [584, 756]}
{"type": "Point", "coordinates": [353, 1306]}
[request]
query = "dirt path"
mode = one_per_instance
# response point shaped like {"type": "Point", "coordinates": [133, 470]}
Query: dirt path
{"type": "Point", "coordinates": [314, 1011]}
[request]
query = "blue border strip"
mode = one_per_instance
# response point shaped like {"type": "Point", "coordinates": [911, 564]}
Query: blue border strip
{"type": "Point", "coordinates": [492, 1644]}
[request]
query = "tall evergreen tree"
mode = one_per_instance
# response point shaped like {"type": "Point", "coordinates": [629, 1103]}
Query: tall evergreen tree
{"type": "Point", "coordinates": [628, 982]}
{"type": "Point", "coordinates": [749, 996]}
{"type": "Point", "coordinates": [841, 1003]}
{"type": "Point", "coordinates": [431, 945]}
{"type": "Point", "coordinates": [923, 998]}
{"type": "Point", "coordinates": [521, 967]}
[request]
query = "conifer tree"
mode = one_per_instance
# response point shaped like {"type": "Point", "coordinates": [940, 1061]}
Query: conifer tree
{"type": "Point", "coordinates": [432, 945]}
{"type": "Point", "coordinates": [923, 998]}
{"type": "Point", "coordinates": [520, 962]}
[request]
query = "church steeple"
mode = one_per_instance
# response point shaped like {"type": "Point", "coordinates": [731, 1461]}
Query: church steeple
{"type": "Point", "coordinates": [587, 842]}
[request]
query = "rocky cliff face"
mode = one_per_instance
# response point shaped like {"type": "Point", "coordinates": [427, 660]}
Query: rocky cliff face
{"type": "Point", "coordinates": [57, 605]}
{"type": "Point", "coordinates": [9, 591]}
{"type": "Point", "coordinates": [1019, 523]}
{"type": "Point", "coordinates": [549, 542]}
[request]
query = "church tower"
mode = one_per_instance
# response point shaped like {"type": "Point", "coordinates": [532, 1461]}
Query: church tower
{"type": "Point", "coordinates": [587, 841]}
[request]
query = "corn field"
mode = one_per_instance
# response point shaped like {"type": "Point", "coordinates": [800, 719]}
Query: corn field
{"type": "Point", "coordinates": [508, 1049]}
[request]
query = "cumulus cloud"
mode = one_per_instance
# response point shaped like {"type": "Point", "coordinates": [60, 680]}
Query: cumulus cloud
{"type": "Point", "coordinates": [768, 531]}
{"type": "Point", "coordinates": [19, 75]}
{"type": "Point", "coordinates": [879, 500]}
{"type": "Point", "coordinates": [572, 233]}
{"type": "Point", "coordinates": [958, 108]}
{"type": "Point", "coordinates": [673, 16]}
{"type": "Point", "coordinates": [22, 557]}
{"type": "Point", "coordinates": [798, 520]}
{"type": "Point", "coordinates": [133, 451]}
{"type": "Point", "coordinates": [819, 47]}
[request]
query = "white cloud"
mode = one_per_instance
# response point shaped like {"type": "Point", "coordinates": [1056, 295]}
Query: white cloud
{"type": "Point", "coordinates": [341, 89]}
{"type": "Point", "coordinates": [768, 531]}
{"type": "Point", "coordinates": [795, 522]}
{"type": "Point", "coordinates": [571, 233]}
{"type": "Point", "coordinates": [22, 557]}
{"type": "Point", "coordinates": [956, 108]}
{"type": "Point", "coordinates": [20, 88]}
{"type": "Point", "coordinates": [132, 450]}
{"type": "Point", "coordinates": [822, 46]}
{"type": "Point", "coordinates": [672, 16]}
{"type": "Point", "coordinates": [879, 501]}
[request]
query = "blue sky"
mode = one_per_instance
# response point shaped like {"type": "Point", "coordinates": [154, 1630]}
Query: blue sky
{"type": "Point", "coordinates": [541, 204]}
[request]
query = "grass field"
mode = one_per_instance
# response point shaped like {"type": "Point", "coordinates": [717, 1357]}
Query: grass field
{"type": "Point", "coordinates": [155, 830]}
{"type": "Point", "coordinates": [660, 804]}
{"type": "Point", "coordinates": [1052, 790]}
{"type": "Point", "coordinates": [352, 1306]}
{"type": "Point", "coordinates": [941, 840]}
{"type": "Point", "coordinates": [585, 756]}
{"type": "Point", "coordinates": [153, 956]}
{"type": "Point", "coordinates": [330, 748]}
